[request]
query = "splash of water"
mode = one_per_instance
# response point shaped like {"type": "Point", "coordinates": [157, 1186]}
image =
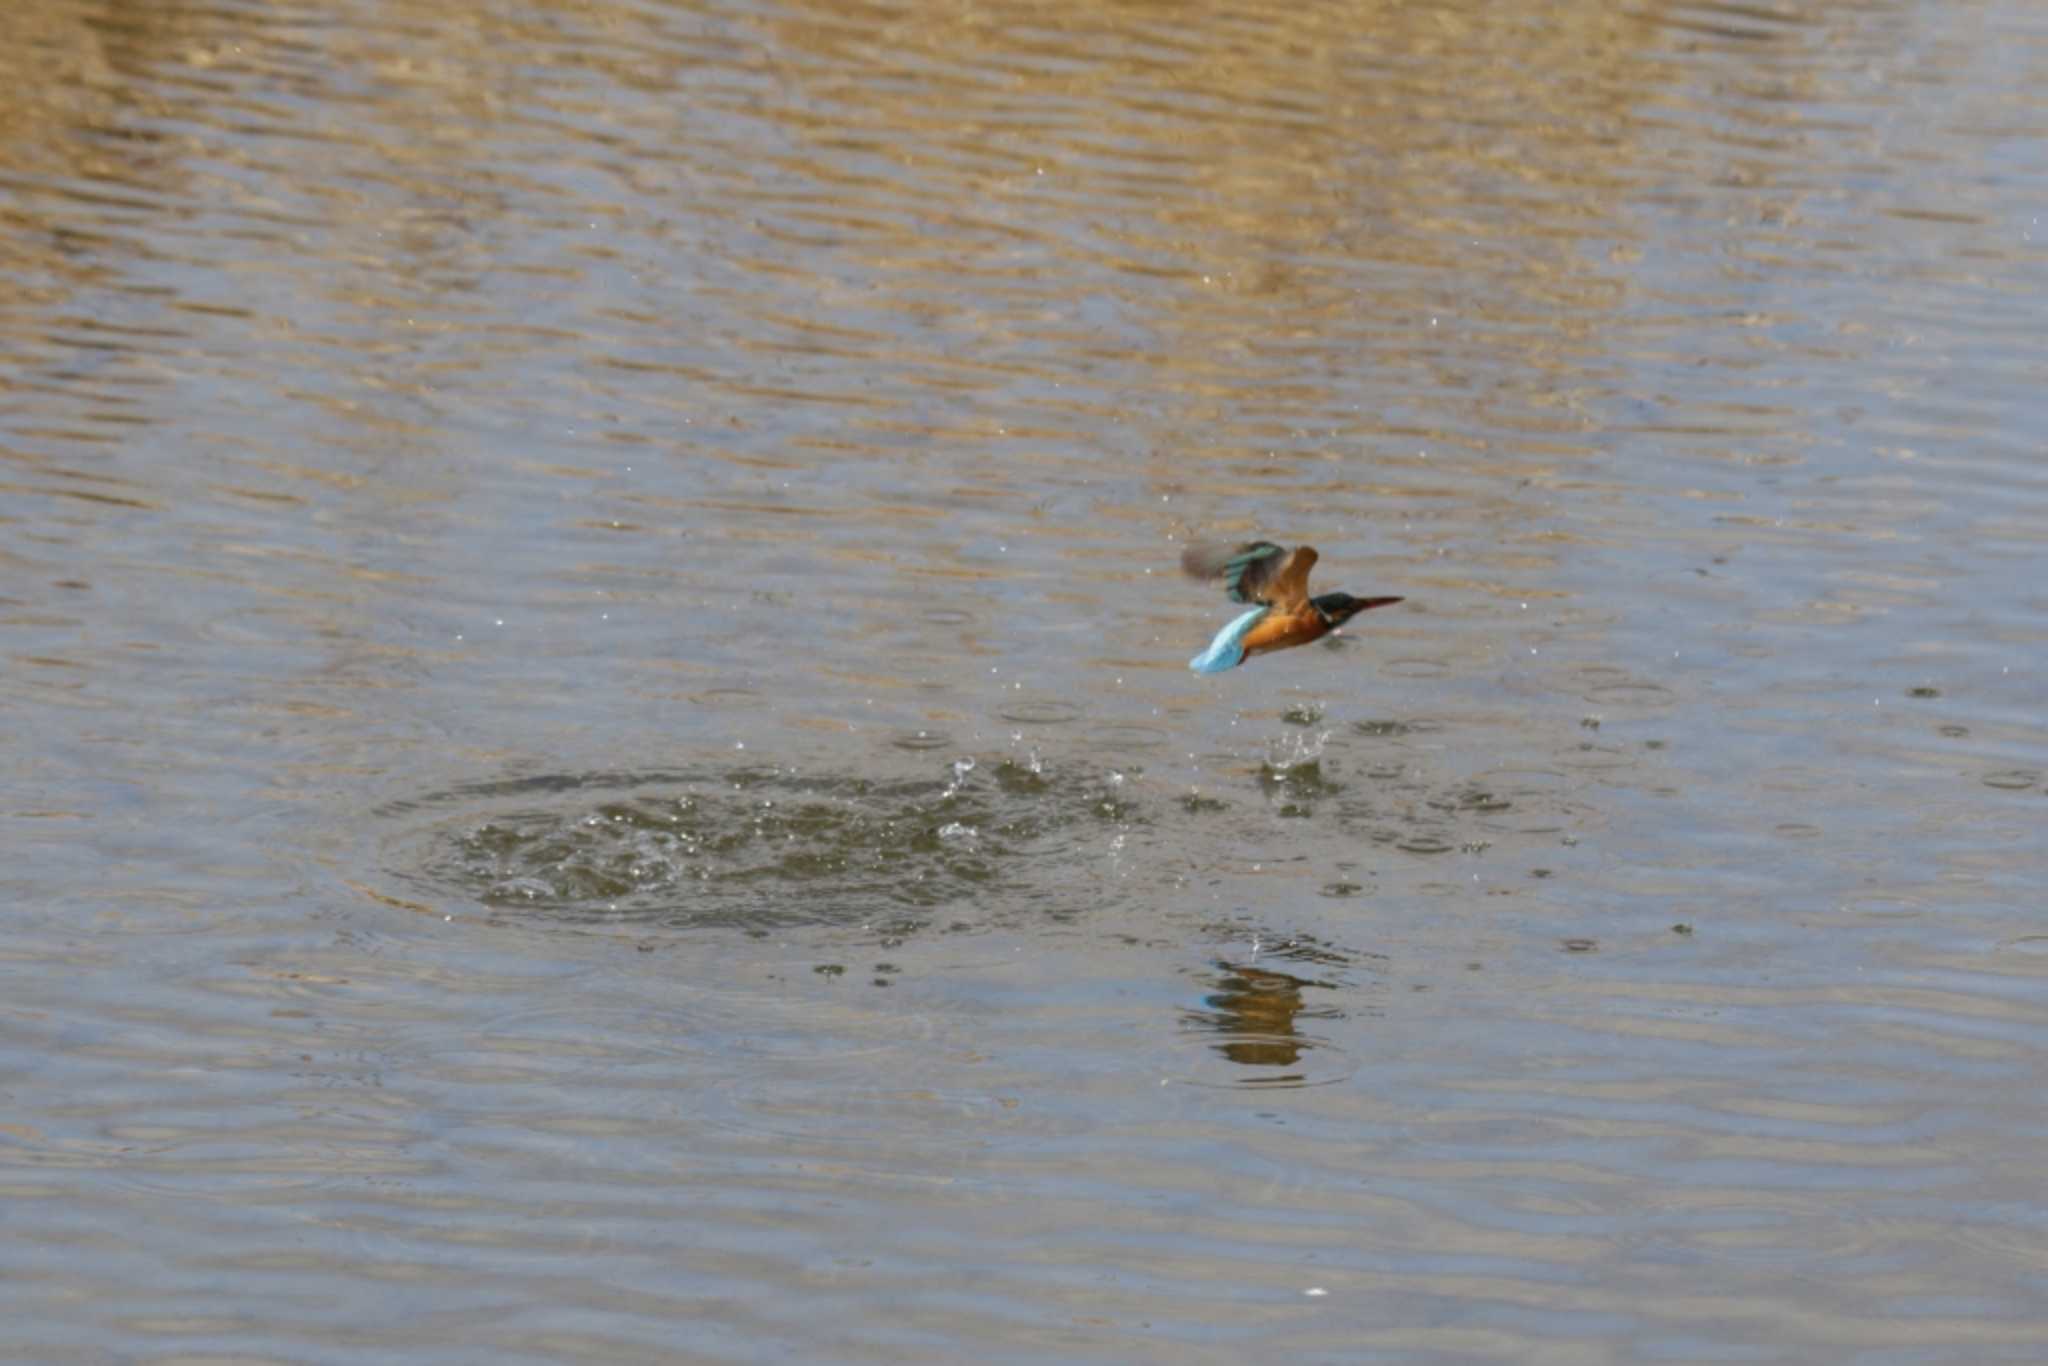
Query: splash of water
{"type": "Point", "coordinates": [1292, 749]}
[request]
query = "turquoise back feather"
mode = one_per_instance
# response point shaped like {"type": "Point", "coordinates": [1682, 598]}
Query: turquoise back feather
{"type": "Point", "coordinates": [1227, 650]}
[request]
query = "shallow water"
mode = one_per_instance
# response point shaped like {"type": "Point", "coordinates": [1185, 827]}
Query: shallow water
{"type": "Point", "coordinates": [600, 759]}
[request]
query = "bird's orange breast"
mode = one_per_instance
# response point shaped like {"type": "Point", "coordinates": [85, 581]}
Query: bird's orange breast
{"type": "Point", "coordinates": [1284, 631]}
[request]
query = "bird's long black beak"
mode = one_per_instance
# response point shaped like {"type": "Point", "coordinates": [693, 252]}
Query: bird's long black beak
{"type": "Point", "coordinates": [1357, 605]}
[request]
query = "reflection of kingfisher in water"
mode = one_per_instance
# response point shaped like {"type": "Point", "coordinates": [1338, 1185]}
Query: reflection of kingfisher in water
{"type": "Point", "coordinates": [1254, 1013]}
{"type": "Point", "coordinates": [1277, 579]}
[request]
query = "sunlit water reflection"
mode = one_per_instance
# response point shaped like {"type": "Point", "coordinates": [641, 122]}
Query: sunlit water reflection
{"type": "Point", "coordinates": [600, 757]}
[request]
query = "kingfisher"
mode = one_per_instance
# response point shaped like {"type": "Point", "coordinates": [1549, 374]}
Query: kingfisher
{"type": "Point", "coordinates": [1275, 578]}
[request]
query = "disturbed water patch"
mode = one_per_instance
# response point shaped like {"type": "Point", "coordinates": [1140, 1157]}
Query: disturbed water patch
{"type": "Point", "coordinates": [1510, 808]}
{"type": "Point", "coordinates": [761, 846]}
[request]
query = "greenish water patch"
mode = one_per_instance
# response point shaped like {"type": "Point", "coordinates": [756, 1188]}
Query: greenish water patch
{"type": "Point", "coordinates": [762, 846]}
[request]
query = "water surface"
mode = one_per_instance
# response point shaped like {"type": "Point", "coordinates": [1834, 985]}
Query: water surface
{"type": "Point", "coordinates": [600, 762]}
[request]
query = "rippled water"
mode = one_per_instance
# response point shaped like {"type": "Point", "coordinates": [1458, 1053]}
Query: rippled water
{"type": "Point", "coordinates": [600, 762]}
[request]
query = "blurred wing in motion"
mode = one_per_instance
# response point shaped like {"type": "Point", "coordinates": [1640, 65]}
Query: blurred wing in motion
{"type": "Point", "coordinates": [1257, 571]}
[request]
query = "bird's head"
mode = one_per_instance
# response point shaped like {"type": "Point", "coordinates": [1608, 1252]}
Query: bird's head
{"type": "Point", "coordinates": [1338, 608]}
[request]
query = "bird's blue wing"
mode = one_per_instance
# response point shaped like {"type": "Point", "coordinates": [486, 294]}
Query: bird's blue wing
{"type": "Point", "coordinates": [1246, 569]}
{"type": "Point", "coordinates": [1227, 650]}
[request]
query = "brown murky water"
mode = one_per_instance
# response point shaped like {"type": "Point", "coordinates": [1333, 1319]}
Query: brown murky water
{"type": "Point", "coordinates": [600, 763]}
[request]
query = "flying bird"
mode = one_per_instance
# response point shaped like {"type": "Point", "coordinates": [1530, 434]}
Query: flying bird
{"type": "Point", "coordinates": [1275, 578]}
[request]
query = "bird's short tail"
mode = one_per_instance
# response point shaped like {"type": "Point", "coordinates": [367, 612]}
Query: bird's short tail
{"type": "Point", "coordinates": [1227, 650]}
